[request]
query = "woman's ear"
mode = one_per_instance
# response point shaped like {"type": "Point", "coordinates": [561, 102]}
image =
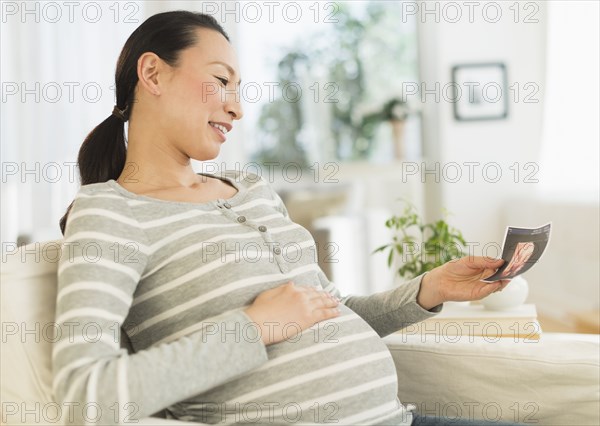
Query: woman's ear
{"type": "Point", "coordinates": [149, 65]}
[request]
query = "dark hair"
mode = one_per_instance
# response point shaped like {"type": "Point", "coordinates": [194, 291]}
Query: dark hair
{"type": "Point", "coordinates": [102, 154]}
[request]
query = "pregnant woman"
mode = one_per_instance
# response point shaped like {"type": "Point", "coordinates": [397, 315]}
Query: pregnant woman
{"type": "Point", "coordinates": [229, 316]}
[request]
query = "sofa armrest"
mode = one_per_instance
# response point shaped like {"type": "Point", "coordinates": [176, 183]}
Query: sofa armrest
{"type": "Point", "coordinates": [553, 381]}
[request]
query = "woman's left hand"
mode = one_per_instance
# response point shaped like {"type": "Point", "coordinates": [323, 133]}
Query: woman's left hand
{"type": "Point", "coordinates": [459, 280]}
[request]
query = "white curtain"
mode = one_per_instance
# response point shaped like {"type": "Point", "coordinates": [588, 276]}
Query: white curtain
{"type": "Point", "coordinates": [570, 154]}
{"type": "Point", "coordinates": [57, 72]}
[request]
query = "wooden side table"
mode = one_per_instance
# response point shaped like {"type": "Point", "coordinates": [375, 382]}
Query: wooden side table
{"type": "Point", "coordinates": [587, 322]}
{"type": "Point", "coordinates": [457, 319]}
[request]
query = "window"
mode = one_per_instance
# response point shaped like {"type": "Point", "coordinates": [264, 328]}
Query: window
{"type": "Point", "coordinates": [318, 88]}
{"type": "Point", "coordinates": [570, 141]}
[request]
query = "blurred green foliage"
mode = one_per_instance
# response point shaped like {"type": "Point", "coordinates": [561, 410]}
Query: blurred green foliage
{"type": "Point", "coordinates": [367, 56]}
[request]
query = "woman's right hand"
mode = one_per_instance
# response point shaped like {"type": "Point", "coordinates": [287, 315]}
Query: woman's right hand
{"type": "Point", "coordinates": [284, 311]}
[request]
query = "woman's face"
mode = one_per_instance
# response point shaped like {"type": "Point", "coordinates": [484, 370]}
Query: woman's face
{"type": "Point", "coordinates": [202, 89]}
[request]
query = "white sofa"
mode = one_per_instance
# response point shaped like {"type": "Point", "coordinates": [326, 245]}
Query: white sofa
{"type": "Point", "coordinates": [555, 381]}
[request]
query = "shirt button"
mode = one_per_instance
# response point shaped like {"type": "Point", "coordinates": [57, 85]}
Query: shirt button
{"type": "Point", "coordinates": [241, 219]}
{"type": "Point", "coordinates": [227, 205]}
{"type": "Point", "coordinates": [262, 228]}
{"type": "Point", "coordinates": [277, 250]}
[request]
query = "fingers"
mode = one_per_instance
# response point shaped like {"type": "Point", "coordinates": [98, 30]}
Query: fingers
{"type": "Point", "coordinates": [487, 273]}
{"type": "Point", "coordinates": [315, 292]}
{"type": "Point", "coordinates": [324, 305]}
{"type": "Point", "coordinates": [503, 284]}
{"type": "Point", "coordinates": [491, 261]}
{"type": "Point", "coordinates": [325, 298]}
{"type": "Point", "coordinates": [484, 262]}
{"type": "Point", "coordinates": [321, 298]}
{"type": "Point", "coordinates": [330, 308]}
{"type": "Point", "coordinates": [498, 285]}
{"type": "Point", "coordinates": [488, 288]}
{"type": "Point", "coordinates": [303, 287]}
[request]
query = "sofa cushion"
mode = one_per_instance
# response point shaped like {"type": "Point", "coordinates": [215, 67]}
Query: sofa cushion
{"type": "Point", "coordinates": [553, 381]}
{"type": "Point", "coordinates": [28, 285]}
{"type": "Point", "coordinates": [28, 300]}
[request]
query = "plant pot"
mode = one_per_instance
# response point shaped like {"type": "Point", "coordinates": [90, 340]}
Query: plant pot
{"type": "Point", "coordinates": [513, 295]}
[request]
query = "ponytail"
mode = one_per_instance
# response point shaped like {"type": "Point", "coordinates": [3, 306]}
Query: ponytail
{"type": "Point", "coordinates": [103, 152]}
{"type": "Point", "coordinates": [101, 156]}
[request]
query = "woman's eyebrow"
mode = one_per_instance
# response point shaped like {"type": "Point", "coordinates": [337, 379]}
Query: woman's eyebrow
{"type": "Point", "coordinates": [231, 71]}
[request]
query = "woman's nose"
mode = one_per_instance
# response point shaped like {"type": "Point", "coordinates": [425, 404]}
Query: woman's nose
{"type": "Point", "coordinates": [234, 107]}
{"type": "Point", "coordinates": [236, 113]}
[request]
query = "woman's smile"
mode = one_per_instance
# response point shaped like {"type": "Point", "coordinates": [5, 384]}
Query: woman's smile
{"type": "Point", "coordinates": [220, 129]}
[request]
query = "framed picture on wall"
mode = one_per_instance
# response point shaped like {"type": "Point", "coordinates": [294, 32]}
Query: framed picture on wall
{"type": "Point", "coordinates": [480, 91]}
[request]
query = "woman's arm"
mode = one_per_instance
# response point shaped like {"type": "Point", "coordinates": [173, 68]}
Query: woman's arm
{"type": "Point", "coordinates": [423, 296]}
{"type": "Point", "coordinates": [387, 311]}
{"type": "Point", "coordinates": [104, 254]}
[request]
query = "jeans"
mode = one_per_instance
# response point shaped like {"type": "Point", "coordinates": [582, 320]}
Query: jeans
{"type": "Point", "coordinates": [445, 421]}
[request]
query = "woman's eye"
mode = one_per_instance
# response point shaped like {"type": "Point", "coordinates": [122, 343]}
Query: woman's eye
{"type": "Point", "coordinates": [223, 80]}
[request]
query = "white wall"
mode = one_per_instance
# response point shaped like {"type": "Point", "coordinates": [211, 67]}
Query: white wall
{"type": "Point", "coordinates": [476, 206]}
{"type": "Point", "coordinates": [566, 279]}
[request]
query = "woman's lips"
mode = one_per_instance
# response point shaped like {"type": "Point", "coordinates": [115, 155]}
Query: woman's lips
{"type": "Point", "coordinates": [222, 136]}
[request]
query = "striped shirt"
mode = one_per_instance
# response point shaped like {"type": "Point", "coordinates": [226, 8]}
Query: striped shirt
{"type": "Point", "coordinates": [175, 278]}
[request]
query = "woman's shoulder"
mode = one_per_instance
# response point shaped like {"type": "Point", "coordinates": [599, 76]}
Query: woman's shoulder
{"type": "Point", "coordinates": [100, 189]}
{"type": "Point", "coordinates": [99, 208]}
{"type": "Point", "coordinates": [101, 195]}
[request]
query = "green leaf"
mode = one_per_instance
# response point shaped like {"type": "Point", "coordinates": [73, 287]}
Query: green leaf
{"type": "Point", "coordinates": [378, 249]}
{"type": "Point", "coordinates": [390, 257]}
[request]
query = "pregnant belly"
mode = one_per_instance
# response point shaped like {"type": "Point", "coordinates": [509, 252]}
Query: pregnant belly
{"type": "Point", "coordinates": [338, 371]}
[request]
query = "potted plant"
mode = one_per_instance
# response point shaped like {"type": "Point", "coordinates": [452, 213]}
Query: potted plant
{"type": "Point", "coordinates": [421, 246]}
